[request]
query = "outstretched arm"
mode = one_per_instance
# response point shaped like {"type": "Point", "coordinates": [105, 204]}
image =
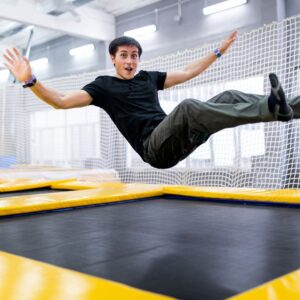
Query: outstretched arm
{"type": "Point", "coordinates": [20, 67]}
{"type": "Point", "coordinates": [197, 67]}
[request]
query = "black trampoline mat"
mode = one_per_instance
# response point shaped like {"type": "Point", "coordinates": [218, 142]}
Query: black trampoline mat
{"type": "Point", "coordinates": [185, 249]}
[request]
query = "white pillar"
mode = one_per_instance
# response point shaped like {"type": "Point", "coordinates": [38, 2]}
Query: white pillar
{"type": "Point", "coordinates": [280, 9]}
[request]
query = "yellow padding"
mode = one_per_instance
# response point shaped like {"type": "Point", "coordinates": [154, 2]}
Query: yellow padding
{"type": "Point", "coordinates": [19, 184]}
{"type": "Point", "coordinates": [83, 185]}
{"type": "Point", "coordinates": [286, 287]}
{"type": "Point", "coordinates": [23, 278]}
{"type": "Point", "coordinates": [33, 203]}
{"type": "Point", "coordinates": [276, 196]}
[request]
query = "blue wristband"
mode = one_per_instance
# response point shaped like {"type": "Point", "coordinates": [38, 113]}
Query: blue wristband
{"type": "Point", "coordinates": [217, 52]}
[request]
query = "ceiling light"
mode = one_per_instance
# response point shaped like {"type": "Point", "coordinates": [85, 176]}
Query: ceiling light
{"type": "Point", "coordinates": [30, 27]}
{"type": "Point", "coordinates": [212, 9]}
{"type": "Point", "coordinates": [39, 63]}
{"type": "Point", "coordinates": [83, 50]}
{"type": "Point", "coordinates": [141, 31]}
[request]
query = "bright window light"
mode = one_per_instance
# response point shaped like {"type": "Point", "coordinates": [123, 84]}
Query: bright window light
{"type": "Point", "coordinates": [212, 9]}
{"type": "Point", "coordinates": [39, 63]}
{"type": "Point", "coordinates": [4, 74]}
{"type": "Point", "coordinates": [83, 50]}
{"type": "Point", "coordinates": [141, 31]}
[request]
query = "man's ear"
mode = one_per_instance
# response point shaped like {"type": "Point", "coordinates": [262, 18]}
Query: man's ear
{"type": "Point", "coordinates": [112, 57]}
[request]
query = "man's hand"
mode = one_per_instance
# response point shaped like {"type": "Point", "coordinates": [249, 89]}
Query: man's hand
{"type": "Point", "coordinates": [228, 42]}
{"type": "Point", "coordinates": [17, 64]}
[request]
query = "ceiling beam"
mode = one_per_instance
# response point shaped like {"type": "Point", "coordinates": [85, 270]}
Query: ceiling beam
{"type": "Point", "coordinates": [93, 24]}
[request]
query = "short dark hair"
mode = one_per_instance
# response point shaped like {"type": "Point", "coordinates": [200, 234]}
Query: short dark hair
{"type": "Point", "coordinates": [123, 41]}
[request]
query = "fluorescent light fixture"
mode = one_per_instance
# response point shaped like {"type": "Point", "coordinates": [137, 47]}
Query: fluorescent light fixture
{"type": "Point", "coordinates": [83, 50]}
{"type": "Point", "coordinates": [141, 31]}
{"type": "Point", "coordinates": [212, 9]}
{"type": "Point", "coordinates": [39, 63]}
{"type": "Point", "coordinates": [4, 74]}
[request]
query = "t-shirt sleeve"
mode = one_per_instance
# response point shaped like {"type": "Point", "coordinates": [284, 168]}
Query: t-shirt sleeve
{"type": "Point", "coordinates": [159, 78]}
{"type": "Point", "coordinates": [95, 90]}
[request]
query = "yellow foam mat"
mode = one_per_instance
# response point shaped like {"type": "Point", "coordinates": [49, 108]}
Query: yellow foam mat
{"type": "Point", "coordinates": [20, 184]}
{"type": "Point", "coordinates": [83, 185]}
{"type": "Point", "coordinates": [23, 278]}
{"type": "Point", "coordinates": [34, 203]}
{"type": "Point", "coordinates": [286, 287]}
{"type": "Point", "coordinates": [248, 194]}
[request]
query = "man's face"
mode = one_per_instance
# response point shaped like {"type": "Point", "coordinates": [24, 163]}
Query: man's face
{"type": "Point", "coordinates": [126, 61]}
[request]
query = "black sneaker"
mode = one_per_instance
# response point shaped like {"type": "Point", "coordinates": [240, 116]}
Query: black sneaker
{"type": "Point", "coordinates": [277, 101]}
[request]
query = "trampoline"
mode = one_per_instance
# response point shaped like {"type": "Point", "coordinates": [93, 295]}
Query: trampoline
{"type": "Point", "coordinates": [213, 237]}
{"type": "Point", "coordinates": [186, 248]}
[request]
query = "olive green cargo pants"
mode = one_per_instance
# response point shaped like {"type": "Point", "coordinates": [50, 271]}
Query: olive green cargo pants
{"type": "Point", "coordinates": [192, 122]}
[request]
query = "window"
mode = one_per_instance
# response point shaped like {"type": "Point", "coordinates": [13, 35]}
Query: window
{"type": "Point", "coordinates": [65, 137]}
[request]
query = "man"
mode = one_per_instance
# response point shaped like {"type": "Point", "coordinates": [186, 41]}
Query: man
{"type": "Point", "coordinates": [132, 102]}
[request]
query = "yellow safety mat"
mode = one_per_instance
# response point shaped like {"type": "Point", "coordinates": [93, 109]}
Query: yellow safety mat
{"type": "Point", "coordinates": [88, 193]}
{"type": "Point", "coordinates": [23, 278]}
{"type": "Point", "coordinates": [248, 194]}
{"type": "Point", "coordinates": [286, 287]}
{"type": "Point", "coordinates": [20, 184]}
{"type": "Point", "coordinates": [83, 185]}
{"type": "Point", "coordinates": [105, 194]}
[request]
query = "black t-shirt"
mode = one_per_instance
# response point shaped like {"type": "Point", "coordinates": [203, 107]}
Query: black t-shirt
{"type": "Point", "coordinates": [133, 104]}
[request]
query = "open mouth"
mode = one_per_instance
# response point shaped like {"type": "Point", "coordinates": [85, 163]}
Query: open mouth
{"type": "Point", "coordinates": [129, 69]}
